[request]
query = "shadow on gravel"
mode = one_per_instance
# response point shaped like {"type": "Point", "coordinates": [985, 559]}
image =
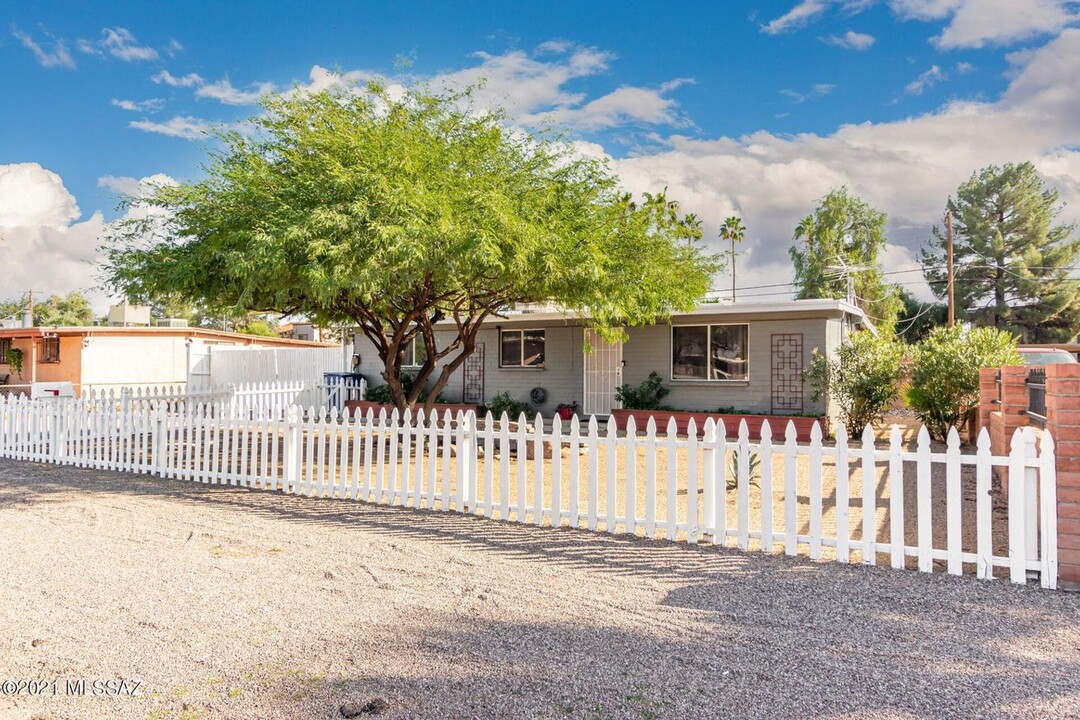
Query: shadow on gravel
{"type": "Point", "coordinates": [746, 635]}
{"type": "Point", "coordinates": [758, 667]}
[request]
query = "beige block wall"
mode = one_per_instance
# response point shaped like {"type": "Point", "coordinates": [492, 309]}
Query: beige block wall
{"type": "Point", "coordinates": [647, 349]}
{"type": "Point", "coordinates": [561, 375]}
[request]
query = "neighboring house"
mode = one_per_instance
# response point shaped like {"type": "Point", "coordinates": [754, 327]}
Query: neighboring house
{"type": "Point", "coordinates": [111, 356]}
{"type": "Point", "coordinates": [747, 356]}
{"type": "Point", "coordinates": [301, 331]}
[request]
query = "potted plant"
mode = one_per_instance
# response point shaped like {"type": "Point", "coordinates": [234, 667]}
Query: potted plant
{"type": "Point", "coordinates": [566, 411]}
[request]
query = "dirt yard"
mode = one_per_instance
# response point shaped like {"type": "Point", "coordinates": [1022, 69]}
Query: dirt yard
{"type": "Point", "coordinates": [229, 603]}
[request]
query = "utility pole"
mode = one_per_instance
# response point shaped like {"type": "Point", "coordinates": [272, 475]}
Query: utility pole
{"type": "Point", "coordinates": [30, 309]}
{"type": "Point", "coordinates": [949, 263]}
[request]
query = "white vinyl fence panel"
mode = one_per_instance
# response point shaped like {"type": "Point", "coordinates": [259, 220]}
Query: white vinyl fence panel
{"type": "Point", "coordinates": [215, 367]}
{"type": "Point", "coordinates": [662, 486]}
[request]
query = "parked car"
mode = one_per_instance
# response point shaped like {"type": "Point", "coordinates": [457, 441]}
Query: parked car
{"type": "Point", "coordinates": [1046, 356]}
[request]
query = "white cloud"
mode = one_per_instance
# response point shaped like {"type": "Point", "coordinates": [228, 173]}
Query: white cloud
{"type": "Point", "coordinates": [120, 43]}
{"type": "Point", "coordinates": [133, 187]}
{"type": "Point", "coordinates": [224, 92]}
{"type": "Point", "coordinates": [152, 105]}
{"type": "Point", "coordinates": [623, 106]}
{"type": "Point", "coordinates": [532, 88]}
{"type": "Point", "coordinates": [174, 48]}
{"type": "Point", "coordinates": [927, 79]}
{"type": "Point", "coordinates": [806, 11]}
{"type": "Point", "coordinates": [976, 23]}
{"type": "Point", "coordinates": [908, 168]}
{"type": "Point", "coordinates": [851, 40]}
{"type": "Point", "coordinates": [187, 127]}
{"type": "Point", "coordinates": [797, 17]}
{"type": "Point", "coordinates": [43, 246]}
{"type": "Point", "coordinates": [189, 80]}
{"type": "Point", "coordinates": [88, 47]}
{"type": "Point", "coordinates": [817, 91]}
{"type": "Point", "coordinates": [32, 195]}
{"type": "Point", "coordinates": [59, 57]}
{"type": "Point", "coordinates": [963, 68]}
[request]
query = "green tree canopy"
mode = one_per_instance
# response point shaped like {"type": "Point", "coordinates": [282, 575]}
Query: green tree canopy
{"type": "Point", "coordinates": [845, 232]}
{"type": "Point", "coordinates": [396, 212]}
{"type": "Point", "coordinates": [69, 310]}
{"type": "Point", "coordinates": [1012, 264]}
{"type": "Point", "coordinates": [918, 318]}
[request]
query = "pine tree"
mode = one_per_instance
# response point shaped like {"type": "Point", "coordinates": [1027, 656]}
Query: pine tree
{"type": "Point", "coordinates": [1012, 264]}
{"type": "Point", "coordinates": [847, 233]}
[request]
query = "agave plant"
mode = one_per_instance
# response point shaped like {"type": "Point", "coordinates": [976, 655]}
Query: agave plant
{"type": "Point", "coordinates": [753, 461]}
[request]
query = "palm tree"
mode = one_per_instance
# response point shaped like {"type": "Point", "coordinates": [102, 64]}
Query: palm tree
{"type": "Point", "coordinates": [692, 228]}
{"type": "Point", "coordinates": [733, 230]}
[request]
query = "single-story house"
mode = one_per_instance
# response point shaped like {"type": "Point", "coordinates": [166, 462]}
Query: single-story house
{"type": "Point", "coordinates": [747, 356]}
{"type": "Point", "coordinates": [113, 356]}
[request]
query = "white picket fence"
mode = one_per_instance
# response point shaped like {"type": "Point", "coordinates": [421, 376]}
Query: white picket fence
{"type": "Point", "coordinates": [659, 485]}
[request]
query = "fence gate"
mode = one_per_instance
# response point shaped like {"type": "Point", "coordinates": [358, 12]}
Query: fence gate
{"type": "Point", "coordinates": [787, 371]}
{"type": "Point", "coordinates": [603, 373]}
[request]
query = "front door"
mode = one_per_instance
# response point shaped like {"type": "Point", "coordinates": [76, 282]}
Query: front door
{"type": "Point", "coordinates": [603, 373]}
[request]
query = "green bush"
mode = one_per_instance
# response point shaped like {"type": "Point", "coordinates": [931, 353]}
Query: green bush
{"type": "Point", "coordinates": [646, 396]}
{"type": "Point", "coordinates": [14, 358]}
{"type": "Point", "coordinates": [944, 390]}
{"type": "Point", "coordinates": [862, 378]}
{"type": "Point", "coordinates": [505, 403]}
{"type": "Point", "coordinates": [381, 393]}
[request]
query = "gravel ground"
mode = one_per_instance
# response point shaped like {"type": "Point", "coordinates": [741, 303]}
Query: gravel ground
{"type": "Point", "coordinates": [229, 603]}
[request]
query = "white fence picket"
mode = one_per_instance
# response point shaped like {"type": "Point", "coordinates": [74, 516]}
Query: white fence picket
{"type": "Point", "coordinates": [843, 497]}
{"type": "Point", "coordinates": [422, 461]}
{"type": "Point", "coordinates": [868, 464]}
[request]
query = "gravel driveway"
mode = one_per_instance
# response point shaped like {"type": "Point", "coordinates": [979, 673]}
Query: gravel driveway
{"type": "Point", "coordinates": [229, 603]}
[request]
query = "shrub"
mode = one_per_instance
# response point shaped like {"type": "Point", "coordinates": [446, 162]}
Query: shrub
{"type": "Point", "coordinates": [14, 358]}
{"type": "Point", "coordinates": [381, 393]}
{"type": "Point", "coordinates": [505, 403]}
{"type": "Point", "coordinates": [944, 391]}
{"type": "Point", "coordinates": [646, 396]}
{"type": "Point", "coordinates": [862, 378]}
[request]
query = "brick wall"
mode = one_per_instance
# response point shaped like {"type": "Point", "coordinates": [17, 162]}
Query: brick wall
{"type": "Point", "coordinates": [1063, 423]}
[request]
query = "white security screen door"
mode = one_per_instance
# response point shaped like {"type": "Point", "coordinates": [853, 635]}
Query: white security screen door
{"type": "Point", "coordinates": [603, 373]}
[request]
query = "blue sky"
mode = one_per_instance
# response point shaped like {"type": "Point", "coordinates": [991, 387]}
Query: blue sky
{"type": "Point", "coordinates": [749, 107]}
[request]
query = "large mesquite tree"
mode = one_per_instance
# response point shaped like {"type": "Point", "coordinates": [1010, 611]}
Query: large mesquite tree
{"type": "Point", "coordinates": [397, 211]}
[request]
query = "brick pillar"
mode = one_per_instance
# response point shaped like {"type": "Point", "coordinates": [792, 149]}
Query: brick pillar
{"type": "Point", "coordinates": [988, 395]}
{"type": "Point", "coordinates": [1010, 413]}
{"type": "Point", "coordinates": [1063, 423]}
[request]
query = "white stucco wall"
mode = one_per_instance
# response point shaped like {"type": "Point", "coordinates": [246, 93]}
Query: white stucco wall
{"type": "Point", "coordinates": [134, 360]}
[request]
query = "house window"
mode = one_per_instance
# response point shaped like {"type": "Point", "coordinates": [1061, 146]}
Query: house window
{"type": "Point", "coordinates": [50, 350]}
{"type": "Point", "coordinates": [5, 347]}
{"type": "Point", "coordinates": [521, 348]}
{"type": "Point", "coordinates": [709, 352]}
{"type": "Point", "coordinates": [415, 353]}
